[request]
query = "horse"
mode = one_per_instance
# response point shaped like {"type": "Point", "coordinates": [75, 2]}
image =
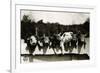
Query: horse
{"type": "Point", "coordinates": [65, 43]}
{"type": "Point", "coordinates": [81, 42]}
{"type": "Point", "coordinates": [43, 43]}
{"type": "Point", "coordinates": [31, 44]}
{"type": "Point", "coordinates": [55, 43]}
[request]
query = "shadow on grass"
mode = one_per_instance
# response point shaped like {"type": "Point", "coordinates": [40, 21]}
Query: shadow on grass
{"type": "Point", "coordinates": [58, 57]}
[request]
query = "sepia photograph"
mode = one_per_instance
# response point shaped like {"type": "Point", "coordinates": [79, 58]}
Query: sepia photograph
{"type": "Point", "coordinates": [52, 36]}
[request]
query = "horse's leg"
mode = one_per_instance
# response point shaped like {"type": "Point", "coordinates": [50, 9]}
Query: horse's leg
{"type": "Point", "coordinates": [79, 50]}
{"type": "Point", "coordinates": [84, 44]}
{"type": "Point", "coordinates": [70, 49]}
{"type": "Point", "coordinates": [75, 44]}
{"type": "Point", "coordinates": [79, 47]}
{"type": "Point", "coordinates": [54, 50]}
{"type": "Point", "coordinates": [62, 48]}
{"type": "Point", "coordinates": [57, 48]}
{"type": "Point", "coordinates": [31, 51]}
{"type": "Point", "coordinates": [44, 51]}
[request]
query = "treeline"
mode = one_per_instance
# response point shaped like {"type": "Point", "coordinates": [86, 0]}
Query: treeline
{"type": "Point", "coordinates": [29, 27]}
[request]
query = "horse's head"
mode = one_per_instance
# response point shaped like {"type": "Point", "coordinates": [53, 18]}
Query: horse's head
{"type": "Point", "coordinates": [33, 40]}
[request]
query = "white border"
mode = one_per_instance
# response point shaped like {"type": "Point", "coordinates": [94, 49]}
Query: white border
{"type": "Point", "coordinates": [15, 40]}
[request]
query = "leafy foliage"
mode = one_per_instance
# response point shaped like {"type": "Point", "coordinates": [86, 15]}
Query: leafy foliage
{"type": "Point", "coordinates": [29, 27]}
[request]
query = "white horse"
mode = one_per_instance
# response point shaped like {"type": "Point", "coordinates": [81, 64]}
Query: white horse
{"type": "Point", "coordinates": [65, 38]}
